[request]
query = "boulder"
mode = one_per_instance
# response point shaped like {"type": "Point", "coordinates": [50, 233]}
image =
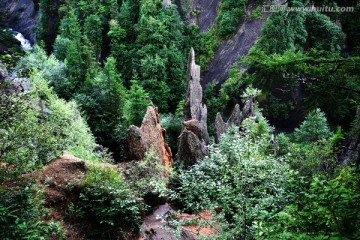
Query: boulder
{"type": "Point", "coordinates": [194, 138]}
{"type": "Point", "coordinates": [150, 135]}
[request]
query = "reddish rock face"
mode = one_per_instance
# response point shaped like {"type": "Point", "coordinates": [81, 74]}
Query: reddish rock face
{"type": "Point", "coordinates": [150, 135]}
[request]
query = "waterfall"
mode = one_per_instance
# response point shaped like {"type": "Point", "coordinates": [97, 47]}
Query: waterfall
{"type": "Point", "coordinates": [25, 44]}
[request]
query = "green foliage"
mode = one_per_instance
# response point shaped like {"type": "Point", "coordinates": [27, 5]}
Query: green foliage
{"type": "Point", "coordinates": [103, 101]}
{"type": "Point", "coordinates": [173, 125]}
{"type": "Point", "coordinates": [331, 80]}
{"type": "Point", "coordinates": [136, 104]}
{"type": "Point", "coordinates": [159, 60]}
{"type": "Point", "coordinates": [323, 33]}
{"type": "Point", "coordinates": [283, 31]}
{"type": "Point", "coordinates": [229, 93]}
{"type": "Point", "coordinates": [204, 44]}
{"type": "Point", "coordinates": [39, 126]}
{"type": "Point", "coordinates": [311, 149]}
{"type": "Point", "coordinates": [313, 128]}
{"type": "Point", "coordinates": [51, 69]}
{"type": "Point", "coordinates": [107, 198]}
{"type": "Point", "coordinates": [229, 16]}
{"type": "Point", "coordinates": [276, 109]}
{"type": "Point", "coordinates": [241, 179]}
{"type": "Point", "coordinates": [22, 215]}
{"type": "Point", "coordinates": [320, 209]}
{"type": "Point", "coordinates": [148, 175]}
{"type": "Point", "coordinates": [48, 22]}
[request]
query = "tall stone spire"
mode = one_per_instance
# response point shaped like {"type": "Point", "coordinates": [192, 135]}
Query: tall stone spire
{"type": "Point", "coordinates": [193, 140]}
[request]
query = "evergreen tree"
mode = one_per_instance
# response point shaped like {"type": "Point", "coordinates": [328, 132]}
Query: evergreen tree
{"type": "Point", "coordinates": [136, 104]}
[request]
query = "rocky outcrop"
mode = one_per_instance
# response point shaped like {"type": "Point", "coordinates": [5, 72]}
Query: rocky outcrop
{"type": "Point", "coordinates": [236, 118]}
{"type": "Point", "coordinates": [194, 136]}
{"type": "Point", "coordinates": [20, 15]}
{"type": "Point", "coordinates": [150, 135]}
{"type": "Point", "coordinates": [221, 127]}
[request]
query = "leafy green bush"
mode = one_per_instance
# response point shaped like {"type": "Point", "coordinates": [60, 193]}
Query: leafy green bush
{"type": "Point", "coordinates": [319, 209]}
{"type": "Point", "coordinates": [204, 44]}
{"type": "Point", "coordinates": [107, 199]}
{"type": "Point", "coordinates": [229, 16]}
{"type": "Point", "coordinates": [148, 175]}
{"type": "Point", "coordinates": [241, 179]}
{"type": "Point", "coordinates": [23, 216]}
{"type": "Point", "coordinates": [40, 126]}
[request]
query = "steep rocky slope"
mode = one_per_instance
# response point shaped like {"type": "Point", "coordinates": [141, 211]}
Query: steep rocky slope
{"type": "Point", "coordinates": [229, 49]}
{"type": "Point", "coordinates": [20, 15]}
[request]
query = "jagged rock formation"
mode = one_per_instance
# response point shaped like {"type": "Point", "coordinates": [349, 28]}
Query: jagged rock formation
{"type": "Point", "coordinates": [20, 15]}
{"type": "Point", "coordinates": [221, 127]}
{"type": "Point", "coordinates": [150, 135]}
{"type": "Point", "coordinates": [194, 136]}
{"type": "Point", "coordinates": [236, 118]}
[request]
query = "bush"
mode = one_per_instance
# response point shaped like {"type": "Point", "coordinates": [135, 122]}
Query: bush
{"type": "Point", "coordinates": [22, 215]}
{"type": "Point", "coordinates": [320, 209]}
{"type": "Point", "coordinates": [173, 126]}
{"type": "Point", "coordinates": [107, 199]}
{"type": "Point", "coordinates": [311, 149]}
{"type": "Point", "coordinates": [241, 179]}
{"type": "Point", "coordinates": [40, 126]}
{"type": "Point", "coordinates": [148, 176]}
{"type": "Point", "coordinates": [229, 16]}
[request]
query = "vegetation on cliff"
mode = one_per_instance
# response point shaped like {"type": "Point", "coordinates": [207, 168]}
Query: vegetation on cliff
{"type": "Point", "coordinates": [97, 66]}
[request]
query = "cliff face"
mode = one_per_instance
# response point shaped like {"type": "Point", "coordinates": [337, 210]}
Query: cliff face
{"type": "Point", "coordinates": [203, 13]}
{"type": "Point", "coordinates": [20, 15]}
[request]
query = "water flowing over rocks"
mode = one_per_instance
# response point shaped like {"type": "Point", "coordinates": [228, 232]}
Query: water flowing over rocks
{"type": "Point", "coordinates": [194, 138]}
{"type": "Point", "coordinates": [20, 15]}
{"type": "Point", "coordinates": [150, 135]}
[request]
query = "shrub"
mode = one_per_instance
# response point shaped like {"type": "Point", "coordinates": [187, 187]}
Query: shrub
{"type": "Point", "coordinates": [107, 199]}
{"type": "Point", "coordinates": [229, 16]}
{"type": "Point", "coordinates": [320, 209]}
{"type": "Point", "coordinates": [311, 149]}
{"type": "Point", "coordinates": [173, 126]}
{"type": "Point", "coordinates": [240, 178]}
{"type": "Point", "coordinates": [22, 215]}
{"type": "Point", "coordinates": [148, 175]}
{"type": "Point", "coordinates": [40, 127]}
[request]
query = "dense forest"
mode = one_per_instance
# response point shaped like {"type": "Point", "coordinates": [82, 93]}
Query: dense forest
{"type": "Point", "coordinates": [191, 119]}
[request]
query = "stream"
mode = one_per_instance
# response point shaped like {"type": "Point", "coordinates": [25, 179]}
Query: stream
{"type": "Point", "coordinates": [25, 43]}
